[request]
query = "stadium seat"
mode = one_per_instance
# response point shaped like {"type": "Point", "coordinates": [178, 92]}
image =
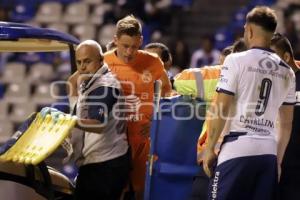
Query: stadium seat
{"type": "Point", "coordinates": [262, 2]}
{"type": "Point", "coordinates": [93, 2]}
{"type": "Point", "coordinates": [105, 34]}
{"type": "Point", "coordinates": [84, 31]}
{"type": "Point", "coordinates": [65, 2]}
{"type": "Point", "coordinates": [14, 72]}
{"type": "Point", "coordinates": [6, 4]}
{"type": "Point", "coordinates": [40, 72]}
{"type": "Point", "coordinates": [76, 13]}
{"type": "Point", "coordinates": [49, 12]}
{"type": "Point", "coordinates": [3, 110]}
{"type": "Point", "coordinates": [17, 92]}
{"type": "Point", "coordinates": [23, 11]}
{"type": "Point", "coordinates": [240, 16]}
{"type": "Point", "coordinates": [182, 3]}
{"type": "Point", "coordinates": [2, 90]}
{"type": "Point", "coordinates": [20, 111]}
{"type": "Point", "coordinates": [173, 162]}
{"type": "Point", "coordinates": [97, 16]}
{"type": "Point", "coordinates": [6, 130]}
{"type": "Point", "coordinates": [59, 27]}
{"type": "Point", "coordinates": [296, 18]}
{"type": "Point", "coordinates": [223, 38]}
{"type": "Point", "coordinates": [43, 94]}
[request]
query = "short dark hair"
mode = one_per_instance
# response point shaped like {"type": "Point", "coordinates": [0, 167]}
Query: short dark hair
{"type": "Point", "coordinates": [282, 43]}
{"type": "Point", "coordinates": [129, 25]}
{"type": "Point", "coordinates": [165, 52]}
{"type": "Point", "coordinates": [227, 50]}
{"type": "Point", "coordinates": [264, 17]}
{"type": "Point", "coordinates": [110, 46]}
{"type": "Point", "coordinates": [239, 45]}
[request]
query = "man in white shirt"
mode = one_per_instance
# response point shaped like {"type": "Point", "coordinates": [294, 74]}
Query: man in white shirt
{"type": "Point", "coordinates": [255, 86]}
{"type": "Point", "coordinates": [207, 55]}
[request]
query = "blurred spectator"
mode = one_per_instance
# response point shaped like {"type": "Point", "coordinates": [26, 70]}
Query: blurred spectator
{"type": "Point", "coordinates": [158, 13]}
{"type": "Point", "coordinates": [3, 14]}
{"type": "Point", "coordinates": [181, 54]}
{"type": "Point", "coordinates": [225, 52]}
{"type": "Point", "coordinates": [206, 55]}
{"type": "Point", "coordinates": [123, 8]}
{"type": "Point", "coordinates": [163, 53]}
{"type": "Point", "coordinates": [291, 33]}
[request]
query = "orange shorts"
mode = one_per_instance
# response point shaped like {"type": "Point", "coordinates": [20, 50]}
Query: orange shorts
{"type": "Point", "coordinates": [139, 140]}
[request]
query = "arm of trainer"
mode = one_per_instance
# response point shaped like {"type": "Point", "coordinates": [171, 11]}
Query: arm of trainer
{"type": "Point", "coordinates": [100, 104]}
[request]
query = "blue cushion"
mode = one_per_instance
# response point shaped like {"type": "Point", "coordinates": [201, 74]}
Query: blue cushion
{"type": "Point", "coordinates": [174, 140]}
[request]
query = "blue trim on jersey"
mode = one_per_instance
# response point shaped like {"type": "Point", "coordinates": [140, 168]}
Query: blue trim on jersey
{"type": "Point", "coordinates": [283, 64]}
{"type": "Point", "coordinates": [220, 90]}
{"type": "Point", "coordinates": [265, 49]}
{"type": "Point", "coordinates": [232, 136]}
{"type": "Point", "coordinates": [288, 103]}
{"type": "Point", "coordinates": [107, 99]}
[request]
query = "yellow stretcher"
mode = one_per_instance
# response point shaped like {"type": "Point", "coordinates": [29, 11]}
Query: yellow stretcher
{"type": "Point", "coordinates": [23, 162]}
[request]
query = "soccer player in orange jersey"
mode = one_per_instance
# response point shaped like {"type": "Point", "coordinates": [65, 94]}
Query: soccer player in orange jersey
{"type": "Point", "coordinates": [136, 70]}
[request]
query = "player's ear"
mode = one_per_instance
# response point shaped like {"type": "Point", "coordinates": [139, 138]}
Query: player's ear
{"type": "Point", "coordinates": [115, 39]}
{"type": "Point", "coordinates": [287, 57]}
{"type": "Point", "coordinates": [250, 32]}
{"type": "Point", "coordinates": [141, 41]}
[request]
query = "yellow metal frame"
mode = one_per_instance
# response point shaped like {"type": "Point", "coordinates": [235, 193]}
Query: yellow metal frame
{"type": "Point", "coordinates": [40, 140]}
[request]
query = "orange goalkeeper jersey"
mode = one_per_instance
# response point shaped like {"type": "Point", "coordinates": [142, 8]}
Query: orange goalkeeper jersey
{"type": "Point", "coordinates": [137, 78]}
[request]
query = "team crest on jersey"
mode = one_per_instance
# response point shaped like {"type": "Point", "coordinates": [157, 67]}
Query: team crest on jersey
{"type": "Point", "coordinates": [146, 76]}
{"type": "Point", "coordinates": [268, 64]}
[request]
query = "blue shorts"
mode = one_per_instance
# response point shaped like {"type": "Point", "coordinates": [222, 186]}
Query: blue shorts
{"type": "Point", "coordinates": [200, 185]}
{"type": "Point", "coordinates": [246, 178]}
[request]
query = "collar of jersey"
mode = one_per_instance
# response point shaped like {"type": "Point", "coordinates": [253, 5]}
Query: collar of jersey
{"type": "Point", "coordinates": [86, 84]}
{"type": "Point", "coordinates": [264, 49]}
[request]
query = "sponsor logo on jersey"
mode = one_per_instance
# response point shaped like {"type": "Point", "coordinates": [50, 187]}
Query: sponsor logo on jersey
{"type": "Point", "coordinates": [268, 72]}
{"type": "Point", "coordinates": [268, 64]}
{"type": "Point", "coordinates": [214, 191]}
{"type": "Point", "coordinates": [257, 121]}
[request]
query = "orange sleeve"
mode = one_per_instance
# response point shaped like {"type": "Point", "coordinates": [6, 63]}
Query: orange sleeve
{"type": "Point", "coordinates": [157, 68]}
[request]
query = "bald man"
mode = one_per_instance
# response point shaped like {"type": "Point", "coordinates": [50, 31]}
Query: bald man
{"type": "Point", "coordinates": [100, 147]}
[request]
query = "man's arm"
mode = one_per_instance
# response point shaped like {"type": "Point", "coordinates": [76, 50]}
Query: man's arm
{"type": "Point", "coordinates": [219, 112]}
{"type": "Point", "coordinates": [72, 84]}
{"type": "Point", "coordinates": [166, 85]}
{"type": "Point", "coordinates": [100, 103]}
{"type": "Point", "coordinates": [284, 133]}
